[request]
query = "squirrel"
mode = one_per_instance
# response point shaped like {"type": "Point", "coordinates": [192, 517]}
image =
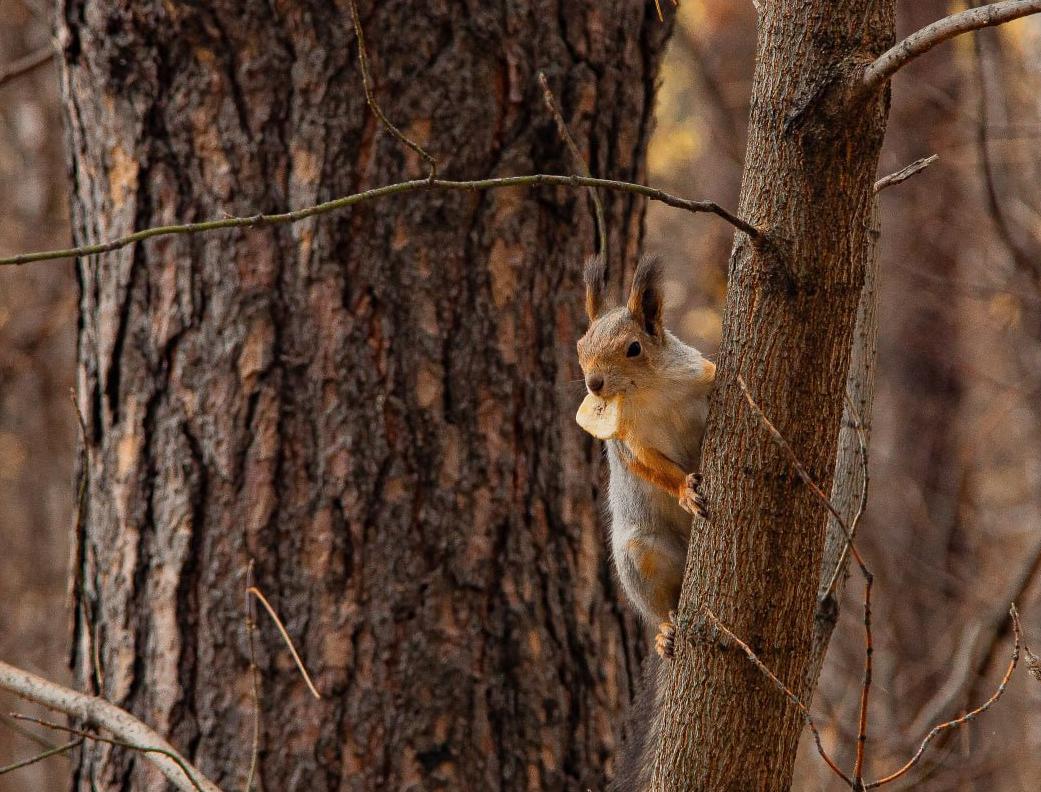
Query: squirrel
{"type": "Point", "coordinates": [662, 386]}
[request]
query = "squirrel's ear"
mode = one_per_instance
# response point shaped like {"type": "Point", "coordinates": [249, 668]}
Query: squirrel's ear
{"type": "Point", "coordinates": [596, 286]}
{"type": "Point", "coordinates": [645, 296]}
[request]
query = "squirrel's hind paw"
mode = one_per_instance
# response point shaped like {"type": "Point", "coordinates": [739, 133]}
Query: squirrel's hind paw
{"type": "Point", "coordinates": [690, 499]}
{"type": "Point", "coordinates": [665, 640]}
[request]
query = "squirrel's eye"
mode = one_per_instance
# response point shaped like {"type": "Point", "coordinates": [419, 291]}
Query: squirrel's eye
{"type": "Point", "coordinates": [633, 350]}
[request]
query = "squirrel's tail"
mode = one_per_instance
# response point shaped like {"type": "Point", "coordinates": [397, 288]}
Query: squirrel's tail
{"type": "Point", "coordinates": [636, 755]}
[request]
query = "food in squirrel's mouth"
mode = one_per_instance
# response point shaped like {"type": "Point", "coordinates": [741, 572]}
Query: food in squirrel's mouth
{"type": "Point", "coordinates": [599, 417]}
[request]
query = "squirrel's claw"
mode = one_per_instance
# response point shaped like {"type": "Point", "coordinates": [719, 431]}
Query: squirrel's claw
{"type": "Point", "coordinates": [692, 501]}
{"type": "Point", "coordinates": [665, 640]}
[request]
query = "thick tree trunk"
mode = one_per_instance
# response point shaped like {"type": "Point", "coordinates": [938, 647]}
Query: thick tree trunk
{"type": "Point", "coordinates": [791, 308]}
{"type": "Point", "coordinates": [375, 406]}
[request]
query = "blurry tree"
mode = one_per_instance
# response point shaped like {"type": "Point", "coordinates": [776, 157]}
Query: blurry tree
{"type": "Point", "coordinates": [37, 329]}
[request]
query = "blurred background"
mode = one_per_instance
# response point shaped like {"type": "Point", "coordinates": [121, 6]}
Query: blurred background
{"type": "Point", "coordinates": [953, 529]}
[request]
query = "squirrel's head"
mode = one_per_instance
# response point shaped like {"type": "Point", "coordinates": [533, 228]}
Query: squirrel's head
{"type": "Point", "coordinates": [623, 348]}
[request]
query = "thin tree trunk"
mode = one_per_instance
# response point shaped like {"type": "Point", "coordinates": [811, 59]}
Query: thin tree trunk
{"type": "Point", "coordinates": [375, 406]}
{"type": "Point", "coordinates": [791, 308]}
{"type": "Point", "coordinates": [917, 522]}
{"type": "Point", "coordinates": [847, 492]}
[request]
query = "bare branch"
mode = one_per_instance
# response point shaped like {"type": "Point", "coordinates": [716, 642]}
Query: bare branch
{"type": "Point", "coordinates": [964, 718]}
{"type": "Point", "coordinates": [58, 749]}
{"type": "Point", "coordinates": [905, 173]}
{"type": "Point", "coordinates": [783, 688]}
{"type": "Point", "coordinates": [173, 756]}
{"type": "Point", "coordinates": [865, 688]}
{"type": "Point", "coordinates": [251, 627]}
{"type": "Point", "coordinates": [254, 221]}
{"type": "Point", "coordinates": [583, 166]}
{"type": "Point", "coordinates": [26, 64]}
{"type": "Point", "coordinates": [32, 736]}
{"type": "Point", "coordinates": [285, 637]}
{"type": "Point", "coordinates": [108, 716]}
{"type": "Point", "coordinates": [370, 96]}
{"type": "Point", "coordinates": [921, 41]}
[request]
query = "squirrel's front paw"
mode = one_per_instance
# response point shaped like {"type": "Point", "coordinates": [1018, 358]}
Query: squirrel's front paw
{"type": "Point", "coordinates": [665, 640]}
{"type": "Point", "coordinates": [690, 499]}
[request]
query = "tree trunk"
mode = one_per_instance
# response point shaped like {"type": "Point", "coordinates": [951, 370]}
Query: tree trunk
{"type": "Point", "coordinates": [810, 165]}
{"type": "Point", "coordinates": [376, 406]}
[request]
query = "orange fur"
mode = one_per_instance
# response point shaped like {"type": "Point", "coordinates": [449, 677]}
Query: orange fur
{"type": "Point", "coordinates": [654, 466]}
{"type": "Point", "coordinates": [663, 590]}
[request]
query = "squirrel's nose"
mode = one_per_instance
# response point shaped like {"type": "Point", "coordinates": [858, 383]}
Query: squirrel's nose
{"type": "Point", "coordinates": [595, 383]}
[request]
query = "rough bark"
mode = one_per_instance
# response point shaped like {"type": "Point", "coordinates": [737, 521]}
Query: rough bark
{"type": "Point", "coordinates": [375, 406]}
{"type": "Point", "coordinates": [791, 307]}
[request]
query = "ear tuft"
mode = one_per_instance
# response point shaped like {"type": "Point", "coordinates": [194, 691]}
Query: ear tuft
{"type": "Point", "coordinates": [645, 297]}
{"type": "Point", "coordinates": [595, 276]}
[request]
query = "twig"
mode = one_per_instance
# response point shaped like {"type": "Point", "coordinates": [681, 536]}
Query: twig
{"type": "Point", "coordinates": [580, 162]}
{"type": "Point", "coordinates": [26, 64]}
{"type": "Point", "coordinates": [258, 220]}
{"type": "Point", "coordinates": [865, 688]}
{"type": "Point", "coordinates": [964, 718]}
{"type": "Point", "coordinates": [58, 749]}
{"type": "Point", "coordinates": [108, 716]}
{"type": "Point", "coordinates": [921, 41]}
{"type": "Point", "coordinates": [251, 627]}
{"type": "Point", "coordinates": [31, 736]}
{"type": "Point", "coordinates": [905, 173]}
{"type": "Point", "coordinates": [285, 637]}
{"type": "Point", "coordinates": [145, 749]}
{"type": "Point", "coordinates": [783, 688]}
{"type": "Point", "coordinates": [370, 96]}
